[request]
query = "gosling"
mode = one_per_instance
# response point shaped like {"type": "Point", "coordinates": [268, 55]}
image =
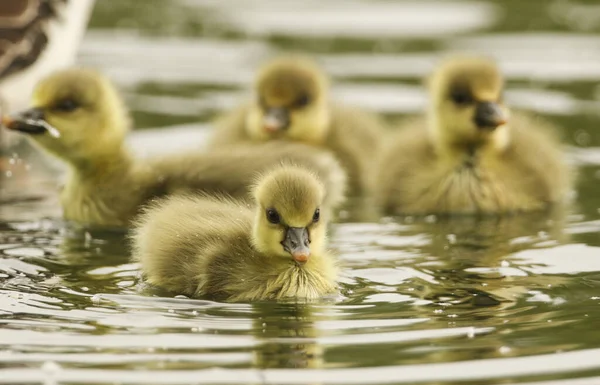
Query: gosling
{"type": "Point", "coordinates": [214, 246]}
{"type": "Point", "coordinates": [79, 117]}
{"type": "Point", "coordinates": [292, 102]}
{"type": "Point", "coordinates": [468, 156]}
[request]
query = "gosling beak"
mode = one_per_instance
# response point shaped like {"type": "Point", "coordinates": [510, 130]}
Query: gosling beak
{"type": "Point", "coordinates": [489, 116]}
{"type": "Point", "coordinates": [296, 243]}
{"type": "Point", "coordinates": [29, 122]}
{"type": "Point", "coordinates": [276, 119]}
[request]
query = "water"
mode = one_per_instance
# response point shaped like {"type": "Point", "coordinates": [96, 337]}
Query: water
{"type": "Point", "coordinates": [431, 301]}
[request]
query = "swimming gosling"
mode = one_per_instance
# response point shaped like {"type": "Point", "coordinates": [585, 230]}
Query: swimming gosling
{"type": "Point", "coordinates": [79, 117]}
{"type": "Point", "coordinates": [292, 102]}
{"type": "Point", "coordinates": [468, 155]}
{"type": "Point", "coordinates": [214, 246]}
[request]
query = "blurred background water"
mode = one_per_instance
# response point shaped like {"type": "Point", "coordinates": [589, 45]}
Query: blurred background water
{"type": "Point", "coordinates": [459, 301]}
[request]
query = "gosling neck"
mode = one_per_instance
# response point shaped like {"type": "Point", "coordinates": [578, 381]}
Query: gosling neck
{"type": "Point", "coordinates": [449, 145]}
{"type": "Point", "coordinates": [102, 166]}
{"type": "Point", "coordinates": [324, 122]}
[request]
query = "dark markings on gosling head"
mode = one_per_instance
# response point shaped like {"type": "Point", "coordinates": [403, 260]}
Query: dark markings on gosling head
{"type": "Point", "coordinates": [23, 36]}
{"type": "Point", "coordinates": [317, 215]}
{"type": "Point", "coordinates": [287, 85]}
{"type": "Point", "coordinates": [273, 216]}
{"type": "Point", "coordinates": [67, 104]}
{"type": "Point", "coordinates": [70, 89]}
{"type": "Point", "coordinates": [460, 93]}
{"type": "Point", "coordinates": [469, 80]}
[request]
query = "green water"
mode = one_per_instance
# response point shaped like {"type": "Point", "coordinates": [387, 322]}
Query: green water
{"type": "Point", "coordinates": [454, 301]}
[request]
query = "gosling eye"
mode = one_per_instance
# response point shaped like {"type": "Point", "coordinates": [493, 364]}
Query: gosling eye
{"type": "Point", "coordinates": [461, 98]}
{"type": "Point", "coordinates": [316, 216]}
{"type": "Point", "coordinates": [302, 101]}
{"type": "Point", "coordinates": [273, 216]}
{"type": "Point", "coordinates": [66, 105]}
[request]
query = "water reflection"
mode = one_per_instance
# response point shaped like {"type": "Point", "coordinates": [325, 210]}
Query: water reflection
{"type": "Point", "coordinates": [288, 336]}
{"type": "Point", "coordinates": [474, 262]}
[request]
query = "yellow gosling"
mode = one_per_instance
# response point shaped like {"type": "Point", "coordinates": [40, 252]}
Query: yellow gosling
{"type": "Point", "coordinates": [468, 155]}
{"type": "Point", "coordinates": [292, 102]}
{"type": "Point", "coordinates": [79, 117]}
{"type": "Point", "coordinates": [218, 247]}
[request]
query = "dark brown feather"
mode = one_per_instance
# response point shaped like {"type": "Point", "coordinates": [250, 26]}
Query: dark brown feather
{"type": "Point", "coordinates": [23, 35]}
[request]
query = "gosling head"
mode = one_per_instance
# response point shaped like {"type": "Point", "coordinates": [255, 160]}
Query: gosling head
{"type": "Point", "coordinates": [466, 103]}
{"type": "Point", "coordinates": [291, 102]}
{"type": "Point", "coordinates": [289, 222]}
{"type": "Point", "coordinates": [76, 115]}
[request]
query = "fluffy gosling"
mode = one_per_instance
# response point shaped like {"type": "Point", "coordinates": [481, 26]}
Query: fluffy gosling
{"type": "Point", "coordinates": [214, 246]}
{"type": "Point", "coordinates": [292, 102]}
{"type": "Point", "coordinates": [79, 117]}
{"type": "Point", "coordinates": [468, 156]}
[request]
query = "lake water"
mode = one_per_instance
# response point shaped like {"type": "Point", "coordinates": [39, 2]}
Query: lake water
{"type": "Point", "coordinates": [459, 301]}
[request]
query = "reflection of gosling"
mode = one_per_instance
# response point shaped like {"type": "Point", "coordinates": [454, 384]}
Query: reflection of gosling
{"type": "Point", "coordinates": [466, 158]}
{"type": "Point", "coordinates": [215, 246]}
{"type": "Point", "coordinates": [79, 117]}
{"type": "Point", "coordinates": [293, 103]}
{"type": "Point", "coordinates": [288, 335]}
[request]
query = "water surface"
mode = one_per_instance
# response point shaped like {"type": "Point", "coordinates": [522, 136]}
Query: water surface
{"type": "Point", "coordinates": [428, 301]}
